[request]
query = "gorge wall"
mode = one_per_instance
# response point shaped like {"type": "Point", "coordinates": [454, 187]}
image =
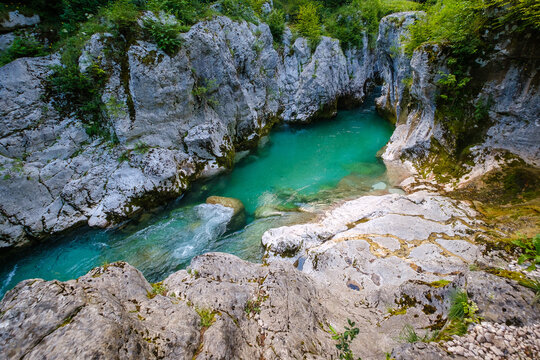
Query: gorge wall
{"type": "Point", "coordinates": [183, 117]}
{"type": "Point", "coordinates": [176, 119]}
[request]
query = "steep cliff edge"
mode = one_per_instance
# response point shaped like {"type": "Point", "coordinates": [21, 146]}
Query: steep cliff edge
{"type": "Point", "coordinates": [175, 118]}
{"type": "Point", "coordinates": [494, 122]}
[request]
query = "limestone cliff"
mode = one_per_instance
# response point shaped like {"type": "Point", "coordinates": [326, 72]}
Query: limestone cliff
{"type": "Point", "coordinates": [176, 118]}
{"type": "Point", "coordinates": [505, 80]}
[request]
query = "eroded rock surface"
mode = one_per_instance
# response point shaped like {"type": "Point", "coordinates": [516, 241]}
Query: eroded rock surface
{"type": "Point", "coordinates": [177, 118]}
{"type": "Point", "coordinates": [507, 83]}
{"type": "Point", "coordinates": [377, 242]}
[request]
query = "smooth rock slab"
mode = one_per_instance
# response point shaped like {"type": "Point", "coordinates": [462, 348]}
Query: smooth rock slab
{"type": "Point", "coordinates": [381, 241]}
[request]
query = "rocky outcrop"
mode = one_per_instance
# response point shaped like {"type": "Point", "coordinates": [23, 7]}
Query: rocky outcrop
{"type": "Point", "coordinates": [15, 20]}
{"type": "Point", "coordinates": [238, 218]}
{"type": "Point", "coordinates": [394, 67]}
{"type": "Point", "coordinates": [507, 80]}
{"type": "Point", "coordinates": [226, 308]}
{"type": "Point", "coordinates": [177, 118]}
{"type": "Point", "coordinates": [378, 242]}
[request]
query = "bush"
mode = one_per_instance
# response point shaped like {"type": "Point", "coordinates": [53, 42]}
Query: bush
{"type": "Point", "coordinates": [455, 23]}
{"type": "Point", "coordinates": [347, 25]}
{"type": "Point", "coordinates": [77, 11]}
{"type": "Point", "coordinates": [22, 47]}
{"type": "Point", "coordinates": [308, 24]}
{"type": "Point", "coordinates": [166, 36]}
{"type": "Point", "coordinates": [123, 14]}
{"type": "Point", "coordinates": [239, 10]}
{"type": "Point", "coordinates": [76, 94]}
{"type": "Point", "coordinates": [186, 11]}
{"type": "Point", "coordinates": [525, 13]}
{"type": "Point", "coordinates": [276, 22]}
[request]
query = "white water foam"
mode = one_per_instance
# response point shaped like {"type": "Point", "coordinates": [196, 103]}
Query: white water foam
{"type": "Point", "coordinates": [6, 282]}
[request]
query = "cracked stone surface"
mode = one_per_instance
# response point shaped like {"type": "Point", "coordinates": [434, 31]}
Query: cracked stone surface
{"type": "Point", "coordinates": [377, 241]}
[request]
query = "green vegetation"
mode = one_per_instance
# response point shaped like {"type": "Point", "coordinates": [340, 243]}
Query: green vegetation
{"type": "Point", "coordinates": [22, 47]}
{"type": "Point", "coordinates": [79, 94]}
{"type": "Point", "coordinates": [439, 283]}
{"type": "Point", "coordinates": [187, 12]}
{"type": "Point", "coordinates": [207, 317]}
{"type": "Point", "coordinates": [408, 334]}
{"type": "Point", "coordinates": [308, 24]}
{"type": "Point", "coordinates": [276, 22]}
{"type": "Point", "coordinates": [157, 289]}
{"type": "Point", "coordinates": [461, 314]}
{"type": "Point", "coordinates": [141, 148]}
{"type": "Point", "coordinates": [202, 91]}
{"type": "Point", "coordinates": [345, 339]}
{"type": "Point", "coordinates": [166, 36]}
{"type": "Point", "coordinates": [531, 251]}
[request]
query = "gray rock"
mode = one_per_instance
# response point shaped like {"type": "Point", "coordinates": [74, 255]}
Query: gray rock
{"type": "Point", "coordinates": [151, 104]}
{"type": "Point", "coordinates": [16, 20]}
{"type": "Point", "coordinates": [111, 304]}
{"type": "Point", "coordinates": [349, 247]}
{"type": "Point", "coordinates": [238, 218]}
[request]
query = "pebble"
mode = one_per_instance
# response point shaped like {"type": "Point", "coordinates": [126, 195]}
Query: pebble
{"type": "Point", "coordinates": [491, 341]}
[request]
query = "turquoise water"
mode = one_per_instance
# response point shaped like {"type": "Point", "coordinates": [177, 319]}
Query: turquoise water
{"type": "Point", "coordinates": [294, 169]}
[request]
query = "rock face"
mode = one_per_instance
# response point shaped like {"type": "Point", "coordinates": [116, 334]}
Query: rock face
{"type": "Point", "coordinates": [177, 118]}
{"type": "Point", "coordinates": [394, 67]}
{"type": "Point", "coordinates": [378, 242]}
{"type": "Point", "coordinates": [16, 20]}
{"type": "Point", "coordinates": [508, 80]}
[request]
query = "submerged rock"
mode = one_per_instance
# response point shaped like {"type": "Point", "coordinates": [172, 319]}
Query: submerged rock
{"type": "Point", "coordinates": [238, 218]}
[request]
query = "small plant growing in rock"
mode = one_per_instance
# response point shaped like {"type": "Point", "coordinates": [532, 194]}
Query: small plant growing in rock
{"type": "Point", "coordinates": [531, 251]}
{"type": "Point", "coordinates": [141, 148]}
{"type": "Point", "coordinates": [462, 313]}
{"type": "Point", "coordinates": [157, 289]}
{"type": "Point", "coordinates": [408, 334]}
{"type": "Point", "coordinates": [254, 306]}
{"type": "Point", "coordinates": [166, 36]}
{"type": "Point", "coordinates": [207, 317]}
{"type": "Point", "coordinates": [345, 339]}
{"type": "Point", "coordinates": [201, 92]}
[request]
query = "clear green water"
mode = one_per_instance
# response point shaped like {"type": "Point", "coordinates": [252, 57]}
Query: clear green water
{"type": "Point", "coordinates": [295, 168]}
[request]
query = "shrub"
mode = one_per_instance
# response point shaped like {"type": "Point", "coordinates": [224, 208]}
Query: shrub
{"type": "Point", "coordinates": [22, 47]}
{"type": "Point", "coordinates": [456, 23]}
{"type": "Point", "coordinates": [77, 11]}
{"type": "Point", "coordinates": [276, 22]}
{"type": "Point", "coordinates": [123, 14]}
{"type": "Point", "coordinates": [526, 13]}
{"type": "Point", "coordinates": [79, 94]}
{"type": "Point", "coordinates": [347, 25]}
{"type": "Point", "coordinates": [308, 24]}
{"type": "Point", "coordinates": [186, 11]}
{"type": "Point", "coordinates": [239, 10]}
{"type": "Point", "coordinates": [166, 36]}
